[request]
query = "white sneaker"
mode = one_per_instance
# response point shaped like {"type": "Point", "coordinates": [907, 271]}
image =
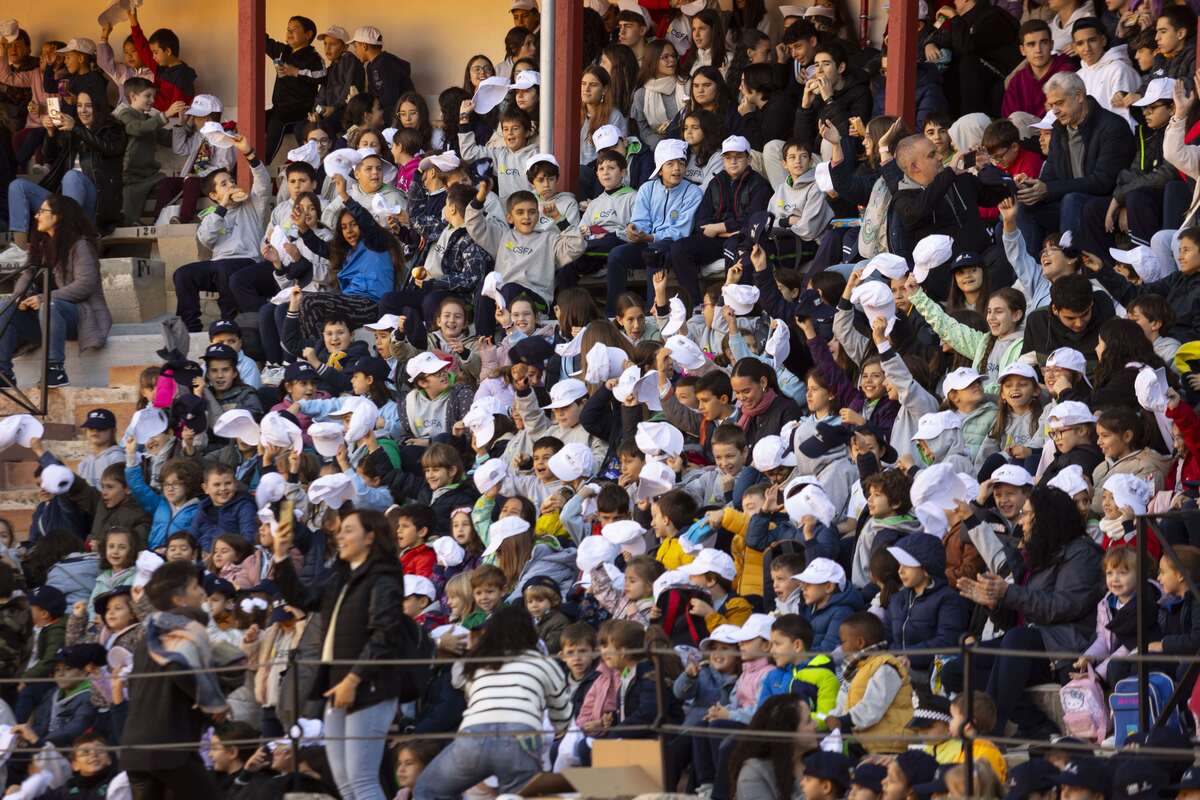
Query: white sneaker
{"type": "Point", "coordinates": [272, 375]}
{"type": "Point", "coordinates": [14, 256]}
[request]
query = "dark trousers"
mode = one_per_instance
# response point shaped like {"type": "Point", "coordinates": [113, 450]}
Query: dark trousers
{"type": "Point", "coordinates": [710, 757]}
{"type": "Point", "coordinates": [279, 122]}
{"type": "Point", "coordinates": [252, 286]}
{"type": "Point", "coordinates": [1143, 211]}
{"type": "Point", "coordinates": [591, 262]}
{"type": "Point", "coordinates": [206, 276]}
{"type": "Point", "coordinates": [270, 333]}
{"type": "Point", "coordinates": [1066, 214]}
{"type": "Point", "coordinates": [1177, 196]}
{"type": "Point", "coordinates": [191, 781]}
{"type": "Point", "coordinates": [624, 259]}
{"type": "Point", "coordinates": [29, 698]}
{"type": "Point", "coordinates": [691, 254]}
{"type": "Point", "coordinates": [189, 190]}
{"type": "Point", "coordinates": [1006, 678]}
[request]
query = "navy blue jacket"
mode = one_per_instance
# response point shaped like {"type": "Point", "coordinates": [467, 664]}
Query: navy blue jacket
{"type": "Point", "coordinates": [239, 515]}
{"type": "Point", "coordinates": [1107, 149]}
{"type": "Point", "coordinates": [935, 618]}
{"type": "Point", "coordinates": [828, 619]}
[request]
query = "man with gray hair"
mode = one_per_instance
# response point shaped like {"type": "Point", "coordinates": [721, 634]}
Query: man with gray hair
{"type": "Point", "coordinates": [1089, 147]}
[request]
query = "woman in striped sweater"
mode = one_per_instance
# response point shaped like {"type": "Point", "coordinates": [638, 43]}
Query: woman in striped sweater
{"type": "Point", "coordinates": [508, 694]}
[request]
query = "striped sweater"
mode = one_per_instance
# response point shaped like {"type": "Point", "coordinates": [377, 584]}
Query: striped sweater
{"type": "Point", "coordinates": [521, 692]}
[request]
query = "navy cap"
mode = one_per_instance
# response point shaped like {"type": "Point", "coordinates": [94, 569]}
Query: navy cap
{"type": "Point", "coordinates": [191, 412]}
{"type": "Point", "coordinates": [966, 259]}
{"type": "Point", "coordinates": [100, 604]}
{"type": "Point", "coordinates": [216, 585]}
{"type": "Point", "coordinates": [917, 765]}
{"type": "Point", "coordinates": [828, 766]}
{"type": "Point", "coordinates": [300, 371]}
{"type": "Point", "coordinates": [79, 656]}
{"type": "Point", "coordinates": [1190, 780]}
{"type": "Point", "coordinates": [220, 352]}
{"type": "Point", "coordinates": [809, 305]}
{"type": "Point", "coordinates": [829, 436]}
{"type": "Point", "coordinates": [532, 350]}
{"type": "Point", "coordinates": [1035, 775]}
{"type": "Point", "coordinates": [50, 599]}
{"type": "Point", "coordinates": [869, 776]}
{"type": "Point", "coordinates": [928, 551]}
{"type": "Point", "coordinates": [266, 587]}
{"type": "Point", "coordinates": [1086, 773]}
{"type": "Point", "coordinates": [224, 326]}
{"type": "Point", "coordinates": [929, 709]}
{"type": "Point", "coordinates": [100, 419]}
{"type": "Point", "coordinates": [373, 367]}
{"type": "Point", "coordinates": [935, 786]}
{"type": "Point", "coordinates": [280, 613]}
{"type": "Point", "coordinates": [890, 456]}
{"type": "Point", "coordinates": [545, 581]}
{"type": "Point", "coordinates": [1139, 778]}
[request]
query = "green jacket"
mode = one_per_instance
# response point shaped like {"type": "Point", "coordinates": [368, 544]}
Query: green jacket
{"type": "Point", "coordinates": [141, 132]}
{"type": "Point", "coordinates": [967, 341]}
{"type": "Point", "coordinates": [49, 640]}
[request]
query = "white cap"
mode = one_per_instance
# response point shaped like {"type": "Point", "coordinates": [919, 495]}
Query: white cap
{"type": "Point", "coordinates": [735, 144]}
{"type": "Point", "coordinates": [933, 519]}
{"type": "Point", "coordinates": [56, 479]}
{"type": "Point", "coordinates": [490, 473]}
{"type": "Point", "coordinates": [626, 535]}
{"type": "Point", "coordinates": [823, 177]}
{"type": "Point", "coordinates": [888, 265]}
{"type": "Point", "coordinates": [493, 282]}
{"type": "Point", "coordinates": [214, 133]}
{"type": "Point", "coordinates": [594, 551]}
{"type": "Point", "coordinates": [970, 486]}
{"type": "Point", "coordinates": [565, 392]}
{"type": "Point", "coordinates": [903, 558]}
{"type": "Point", "coordinates": [425, 363]}
{"type": "Point", "coordinates": [740, 297]}
{"type": "Point", "coordinates": [1157, 90]}
{"type": "Point", "coordinates": [389, 135]}
{"type": "Point", "coordinates": [654, 479]}
{"type": "Point", "coordinates": [930, 253]}
{"type": "Point", "coordinates": [685, 352]}
{"type": "Point", "coordinates": [1012, 475]}
{"type": "Point", "coordinates": [279, 431]}
{"type": "Point", "coordinates": [147, 562]}
{"type": "Point", "coordinates": [21, 429]}
{"type": "Point", "coordinates": [308, 153]}
{"type": "Point", "coordinates": [933, 424]}
{"type": "Point", "coordinates": [387, 322]}
{"type": "Point", "coordinates": [1127, 490]}
{"type": "Point", "coordinates": [145, 424]}
{"type": "Point", "coordinates": [804, 498]}
{"type": "Point", "coordinates": [818, 11]}
{"type": "Point", "coordinates": [443, 162]}
{"type": "Point", "coordinates": [1151, 388]}
{"type": "Point", "coordinates": [604, 363]}
{"type": "Point", "coordinates": [712, 560]}
{"type": "Point", "coordinates": [960, 379]}
{"type": "Point", "coordinates": [367, 34]}
{"type": "Point", "coordinates": [778, 344]}
{"type": "Point", "coordinates": [566, 349]}
{"type": "Point", "coordinates": [669, 579]}
{"type": "Point", "coordinates": [270, 489]}
{"type": "Point", "coordinates": [1070, 480]}
{"type": "Point", "coordinates": [1020, 369]}
{"type": "Point", "coordinates": [643, 387]}
{"type": "Point", "coordinates": [756, 626]}
{"type": "Point", "coordinates": [1067, 358]}
{"type": "Point", "coordinates": [599, 6]}
{"type": "Point", "coordinates": [480, 419]}
{"type": "Point", "coordinates": [1069, 413]}
{"type": "Point", "coordinates": [502, 529]}
{"type": "Point", "coordinates": [326, 438]}
{"type": "Point", "coordinates": [659, 439]}
{"type": "Point", "coordinates": [823, 570]}
{"type": "Point", "coordinates": [419, 584]}
{"type": "Point", "coordinates": [450, 629]}
{"type": "Point", "coordinates": [332, 490]}
{"type": "Point", "coordinates": [635, 7]}
{"type": "Point", "coordinates": [523, 5]}
{"type": "Point", "coordinates": [527, 79]}
{"type": "Point", "coordinates": [1046, 122]}
{"type": "Point", "coordinates": [939, 484]}
{"type": "Point", "coordinates": [363, 414]}
{"type": "Point", "coordinates": [722, 634]}
{"type": "Point", "coordinates": [449, 552]}
{"type": "Point", "coordinates": [772, 452]}
{"type": "Point", "coordinates": [335, 32]}
{"type": "Point", "coordinates": [538, 158]}
{"type": "Point", "coordinates": [668, 150]}
{"type": "Point", "coordinates": [606, 136]}
{"type": "Point", "coordinates": [490, 92]}
{"type": "Point", "coordinates": [204, 104]}
{"type": "Point", "coordinates": [342, 162]}
{"type": "Point", "coordinates": [575, 460]}
{"type": "Point", "coordinates": [1143, 260]}
{"type": "Point", "coordinates": [877, 301]}
{"type": "Point", "coordinates": [81, 45]}
{"type": "Point", "coordinates": [677, 318]}
{"type": "Point", "coordinates": [693, 8]}
{"type": "Point", "coordinates": [791, 11]}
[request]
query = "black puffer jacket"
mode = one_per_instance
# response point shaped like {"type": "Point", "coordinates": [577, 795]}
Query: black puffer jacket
{"type": "Point", "coordinates": [369, 626]}
{"type": "Point", "coordinates": [732, 201]}
{"type": "Point", "coordinates": [100, 150]}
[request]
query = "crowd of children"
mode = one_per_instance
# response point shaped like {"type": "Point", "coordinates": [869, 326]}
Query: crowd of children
{"type": "Point", "coordinates": [885, 392]}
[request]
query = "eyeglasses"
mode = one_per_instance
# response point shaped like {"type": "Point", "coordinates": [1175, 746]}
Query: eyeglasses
{"type": "Point", "coordinates": [173, 485]}
{"type": "Point", "coordinates": [42, 210]}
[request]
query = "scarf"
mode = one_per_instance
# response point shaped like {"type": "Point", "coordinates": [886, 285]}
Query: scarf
{"type": "Point", "coordinates": [1113, 528]}
{"type": "Point", "coordinates": [853, 661]}
{"type": "Point", "coordinates": [654, 104]}
{"type": "Point", "coordinates": [175, 639]}
{"type": "Point", "coordinates": [703, 59]}
{"type": "Point", "coordinates": [750, 412]}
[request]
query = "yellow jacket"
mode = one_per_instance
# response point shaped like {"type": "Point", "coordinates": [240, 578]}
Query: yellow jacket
{"type": "Point", "coordinates": [735, 611]}
{"type": "Point", "coordinates": [670, 554]}
{"type": "Point", "coordinates": [749, 562]}
{"type": "Point", "coordinates": [951, 752]}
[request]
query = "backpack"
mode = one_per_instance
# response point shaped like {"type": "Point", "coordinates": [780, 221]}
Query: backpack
{"type": "Point", "coordinates": [1124, 704]}
{"type": "Point", "coordinates": [680, 626]}
{"type": "Point", "coordinates": [1084, 714]}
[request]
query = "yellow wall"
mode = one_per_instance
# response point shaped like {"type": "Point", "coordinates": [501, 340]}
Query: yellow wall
{"type": "Point", "coordinates": [436, 36]}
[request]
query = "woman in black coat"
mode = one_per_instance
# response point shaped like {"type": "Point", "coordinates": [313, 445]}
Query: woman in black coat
{"type": "Point", "coordinates": [97, 142]}
{"type": "Point", "coordinates": [363, 621]}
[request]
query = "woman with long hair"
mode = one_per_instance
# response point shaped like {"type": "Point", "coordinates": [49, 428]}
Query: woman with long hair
{"type": "Point", "coordinates": [510, 686]}
{"type": "Point", "coordinates": [622, 66]}
{"type": "Point", "coordinates": [63, 242]}
{"type": "Point", "coordinates": [1120, 343]}
{"type": "Point", "coordinates": [413, 112]}
{"type": "Point", "coordinates": [1054, 593]}
{"type": "Point", "coordinates": [708, 41]}
{"type": "Point", "coordinates": [765, 768]}
{"type": "Point", "coordinates": [710, 93]}
{"type": "Point", "coordinates": [362, 111]}
{"type": "Point", "coordinates": [478, 69]}
{"type": "Point", "coordinates": [660, 94]}
{"type": "Point", "coordinates": [762, 407]}
{"type": "Point", "coordinates": [599, 108]}
{"type": "Point", "coordinates": [362, 621]}
{"type": "Point", "coordinates": [518, 43]}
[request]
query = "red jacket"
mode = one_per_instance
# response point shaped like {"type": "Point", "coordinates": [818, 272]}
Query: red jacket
{"type": "Point", "coordinates": [177, 82]}
{"type": "Point", "coordinates": [1187, 468]}
{"type": "Point", "coordinates": [419, 560]}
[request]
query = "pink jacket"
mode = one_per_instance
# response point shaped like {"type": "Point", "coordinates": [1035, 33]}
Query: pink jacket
{"type": "Point", "coordinates": [616, 603]}
{"type": "Point", "coordinates": [746, 690]}
{"type": "Point", "coordinates": [601, 697]}
{"type": "Point", "coordinates": [28, 79]}
{"type": "Point", "coordinates": [1103, 646]}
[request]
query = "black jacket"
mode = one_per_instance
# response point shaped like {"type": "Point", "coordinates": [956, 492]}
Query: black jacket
{"type": "Point", "coordinates": [1148, 169]}
{"type": "Point", "coordinates": [1181, 291]}
{"type": "Point", "coordinates": [1107, 149]}
{"type": "Point", "coordinates": [388, 77]}
{"type": "Point", "coordinates": [347, 71]}
{"type": "Point", "coordinates": [733, 201]}
{"type": "Point", "coordinates": [295, 93]}
{"type": "Point", "coordinates": [1044, 333]}
{"type": "Point", "coordinates": [1087, 456]}
{"type": "Point", "coordinates": [94, 84]}
{"type": "Point", "coordinates": [769, 423]}
{"type": "Point", "coordinates": [370, 625]}
{"type": "Point", "coordinates": [100, 150]}
{"type": "Point", "coordinates": [775, 120]}
{"type": "Point", "coordinates": [78, 787]}
{"type": "Point", "coordinates": [852, 100]}
{"type": "Point", "coordinates": [984, 44]}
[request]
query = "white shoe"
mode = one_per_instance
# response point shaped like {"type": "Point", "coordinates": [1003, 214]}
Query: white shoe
{"type": "Point", "coordinates": [14, 256]}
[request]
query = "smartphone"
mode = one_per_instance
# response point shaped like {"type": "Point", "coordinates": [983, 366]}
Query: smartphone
{"type": "Point", "coordinates": [54, 106]}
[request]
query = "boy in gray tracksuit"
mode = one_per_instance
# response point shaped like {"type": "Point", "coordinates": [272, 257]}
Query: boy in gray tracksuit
{"type": "Point", "coordinates": [798, 204]}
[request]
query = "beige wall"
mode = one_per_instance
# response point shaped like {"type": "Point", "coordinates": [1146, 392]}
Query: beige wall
{"type": "Point", "coordinates": [436, 36]}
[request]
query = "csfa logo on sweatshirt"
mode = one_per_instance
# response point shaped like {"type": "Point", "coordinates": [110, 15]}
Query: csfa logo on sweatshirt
{"type": "Point", "coordinates": [608, 213]}
{"type": "Point", "coordinates": [517, 249]}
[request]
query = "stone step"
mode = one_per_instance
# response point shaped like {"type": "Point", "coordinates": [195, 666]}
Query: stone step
{"type": "Point", "coordinates": [91, 369]}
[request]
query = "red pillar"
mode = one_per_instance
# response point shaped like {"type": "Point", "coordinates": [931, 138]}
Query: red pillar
{"type": "Point", "coordinates": [251, 82]}
{"type": "Point", "coordinates": [900, 97]}
{"type": "Point", "coordinates": [568, 69]}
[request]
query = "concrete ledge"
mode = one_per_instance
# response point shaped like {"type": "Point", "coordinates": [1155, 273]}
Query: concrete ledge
{"type": "Point", "coordinates": [133, 288]}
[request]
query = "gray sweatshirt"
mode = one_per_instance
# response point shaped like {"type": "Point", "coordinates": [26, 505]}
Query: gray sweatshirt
{"type": "Point", "coordinates": [510, 166]}
{"type": "Point", "coordinates": [915, 402]}
{"type": "Point", "coordinates": [611, 211]}
{"type": "Point", "coordinates": [803, 199]}
{"type": "Point", "coordinates": [236, 231]}
{"type": "Point", "coordinates": [529, 260]}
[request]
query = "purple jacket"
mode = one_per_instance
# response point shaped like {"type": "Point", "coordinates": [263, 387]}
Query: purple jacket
{"type": "Point", "coordinates": [1025, 92]}
{"type": "Point", "coordinates": [882, 416]}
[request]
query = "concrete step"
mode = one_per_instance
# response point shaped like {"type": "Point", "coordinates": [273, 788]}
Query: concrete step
{"type": "Point", "coordinates": [91, 369]}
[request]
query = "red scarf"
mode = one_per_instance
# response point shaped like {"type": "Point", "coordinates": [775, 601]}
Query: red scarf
{"type": "Point", "coordinates": [750, 412]}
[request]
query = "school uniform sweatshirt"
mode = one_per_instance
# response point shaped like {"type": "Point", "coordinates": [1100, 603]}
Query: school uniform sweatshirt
{"type": "Point", "coordinates": [526, 259]}
{"type": "Point", "coordinates": [235, 231]}
{"type": "Point", "coordinates": [509, 165]}
{"type": "Point", "coordinates": [801, 197]}
{"type": "Point", "coordinates": [609, 213]}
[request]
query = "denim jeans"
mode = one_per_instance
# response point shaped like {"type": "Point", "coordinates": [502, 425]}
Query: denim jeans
{"type": "Point", "coordinates": [354, 744]}
{"type": "Point", "coordinates": [25, 327]}
{"type": "Point", "coordinates": [1059, 216]}
{"type": "Point", "coordinates": [24, 198]}
{"type": "Point", "coordinates": [467, 761]}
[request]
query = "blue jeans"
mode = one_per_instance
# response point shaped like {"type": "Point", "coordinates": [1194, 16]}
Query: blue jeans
{"type": "Point", "coordinates": [1035, 222]}
{"type": "Point", "coordinates": [24, 198]}
{"type": "Point", "coordinates": [24, 328]}
{"type": "Point", "coordinates": [467, 761]}
{"type": "Point", "coordinates": [354, 744]}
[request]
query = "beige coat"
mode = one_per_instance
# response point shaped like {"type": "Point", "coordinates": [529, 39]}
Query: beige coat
{"type": "Point", "coordinates": [1147, 463]}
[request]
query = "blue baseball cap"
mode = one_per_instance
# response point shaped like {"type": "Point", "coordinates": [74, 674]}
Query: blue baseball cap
{"type": "Point", "coordinates": [1086, 773]}
{"type": "Point", "coordinates": [1035, 775]}
{"type": "Point", "coordinates": [828, 766]}
{"type": "Point", "coordinates": [100, 419]}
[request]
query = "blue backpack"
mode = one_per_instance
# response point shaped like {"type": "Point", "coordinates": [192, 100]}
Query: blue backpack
{"type": "Point", "coordinates": [1124, 704]}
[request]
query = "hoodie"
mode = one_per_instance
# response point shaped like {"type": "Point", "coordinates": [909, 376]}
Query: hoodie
{"type": "Point", "coordinates": [529, 260]}
{"type": "Point", "coordinates": [236, 231]}
{"type": "Point", "coordinates": [877, 533]}
{"type": "Point", "coordinates": [950, 448]}
{"type": "Point", "coordinates": [1146, 463]}
{"type": "Point", "coordinates": [852, 100]}
{"type": "Point", "coordinates": [801, 198]}
{"type": "Point", "coordinates": [915, 402]}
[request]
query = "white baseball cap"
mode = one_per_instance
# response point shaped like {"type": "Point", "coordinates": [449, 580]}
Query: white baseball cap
{"type": "Point", "coordinates": [426, 363]}
{"type": "Point", "coordinates": [1045, 123]}
{"type": "Point", "coordinates": [635, 7]}
{"type": "Point", "coordinates": [659, 439]}
{"type": "Point", "coordinates": [889, 265]}
{"type": "Point", "coordinates": [81, 45]}
{"type": "Point", "coordinates": [735, 144]}
{"type": "Point", "coordinates": [626, 535]}
{"type": "Point", "coordinates": [1157, 90]}
{"type": "Point", "coordinates": [490, 473]}
{"type": "Point", "coordinates": [385, 323]}
{"type": "Point", "coordinates": [527, 79]}
{"type": "Point", "coordinates": [419, 584]}
{"type": "Point", "coordinates": [1127, 490]}
{"type": "Point", "coordinates": [711, 560]}
{"type": "Point", "coordinates": [740, 297]}
{"type": "Point", "coordinates": [1020, 369]}
{"type": "Point", "coordinates": [502, 529]}
{"type": "Point", "coordinates": [332, 490]}
{"type": "Point", "coordinates": [823, 570]}
{"type": "Point", "coordinates": [1067, 358]}
{"type": "Point", "coordinates": [685, 352]}
{"type": "Point", "coordinates": [366, 34]}
{"type": "Point", "coordinates": [56, 479]}
{"type": "Point", "coordinates": [566, 392]}
{"type": "Point", "coordinates": [539, 158]}
{"type": "Point", "coordinates": [204, 104]}
{"type": "Point", "coordinates": [1143, 260]}
{"type": "Point", "coordinates": [1069, 413]}
{"type": "Point", "coordinates": [443, 162]}
{"type": "Point", "coordinates": [1070, 480]}
{"type": "Point", "coordinates": [237, 423]}
{"type": "Point", "coordinates": [930, 253]}
{"type": "Point", "coordinates": [606, 136]}
{"type": "Point", "coordinates": [594, 551]}
{"type": "Point", "coordinates": [523, 5]}
{"type": "Point", "coordinates": [791, 11]}
{"type": "Point", "coordinates": [772, 452]}
{"type": "Point", "coordinates": [933, 424]}
{"type": "Point", "coordinates": [668, 150]}
{"type": "Point", "coordinates": [146, 423]}
{"type": "Point", "coordinates": [1012, 475]}
{"type": "Point", "coordinates": [960, 379]}
{"type": "Point", "coordinates": [604, 362]}
{"type": "Point", "coordinates": [21, 429]}
{"type": "Point", "coordinates": [722, 634]}
{"type": "Point", "coordinates": [308, 152]}
{"type": "Point", "coordinates": [573, 461]}
{"type": "Point", "coordinates": [654, 479]}
{"type": "Point", "coordinates": [756, 626]}
{"type": "Point", "coordinates": [326, 438]}
{"type": "Point", "coordinates": [933, 519]}
{"type": "Point", "coordinates": [939, 484]}
{"type": "Point", "coordinates": [335, 32]}
{"type": "Point", "coordinates": [449, 552]}
{"type": "Point", "coordinates": [279, 431]}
